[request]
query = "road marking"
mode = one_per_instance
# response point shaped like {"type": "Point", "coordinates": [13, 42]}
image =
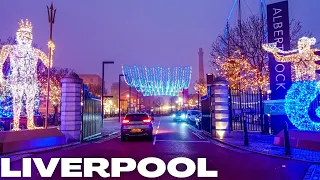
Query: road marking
{"type": "Point", "coordinates": [183, 141]}
{"type": "Point", "coordinates": [155, 136]}
{"type": "Point", "coordinates": [198, 135]}
{"type": "Point", "coordinates": [154, 140]}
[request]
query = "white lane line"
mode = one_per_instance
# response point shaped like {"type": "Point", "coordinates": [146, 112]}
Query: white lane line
{"type": "Point", "coordinates": [154, 140]}
{"type": "Point", "coordinates": [155, 136]}
{"type": "Point", "coordinates": [183, 141]}
{"type": "Point", "coordinates": [198, 135]}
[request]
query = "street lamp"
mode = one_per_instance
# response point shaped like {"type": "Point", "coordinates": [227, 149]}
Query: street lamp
{"type": "Point", "coordinates": [51, 18]}
{"type": "Point", "coordinates": [119, 110]}
{"type": "Point", "coordinates": [102, 89]}
{"type": "Point", "coordinates": [198, 99]}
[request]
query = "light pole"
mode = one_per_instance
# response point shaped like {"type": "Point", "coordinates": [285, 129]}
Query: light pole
{"type": "Point", "coordinates": [128, 101]}
{"type": "Point", "coordinates": [119, 98]}
{"type": "Point", "coordinates": [102, 90]}
{"type": "Point", "coordinates": [51, 18]}
{"type": "Point", "coordinates": [198, 100]}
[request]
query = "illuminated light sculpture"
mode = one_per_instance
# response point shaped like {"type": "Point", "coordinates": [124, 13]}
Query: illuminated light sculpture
{"type": "Point", "coordinates": [157, 81]}
{"type": "Point", "coordinates": [201, 88]}
{"type": "Point", "coordinates": [305, 87]}
{"type": "Point", "coordinates": [23, 78]}
{"type": "Point", "coordinates": [241, 74]}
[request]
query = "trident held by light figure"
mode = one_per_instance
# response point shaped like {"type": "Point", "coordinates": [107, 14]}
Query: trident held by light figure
{"type": "Point", "coordinates": [51, 18]}
{"type": "Point", "coordinates": [23, 78]}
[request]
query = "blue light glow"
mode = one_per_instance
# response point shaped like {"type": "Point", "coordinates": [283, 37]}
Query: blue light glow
{"type": "Point", "coordinates": [183, 116]}
{"type": "Point", "coordinates": [297, 102]}
{"type": "Point", "coordinates": [157, 81]}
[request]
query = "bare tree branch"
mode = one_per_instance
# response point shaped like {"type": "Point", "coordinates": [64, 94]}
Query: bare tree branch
{"type": "Point", "coordinates": [248, 37]}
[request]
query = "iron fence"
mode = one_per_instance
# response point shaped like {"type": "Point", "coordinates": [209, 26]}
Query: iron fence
{"type": "Point", "coordinates": [248, 106]}
{"type": "Point", "coordinates": [91, 126]}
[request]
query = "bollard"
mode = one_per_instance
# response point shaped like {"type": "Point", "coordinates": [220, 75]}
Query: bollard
{"type": "Point", "coordinates": [245, 131]}
{"type": "Point", "coordinates": [266, 124]}
{"type": "Point", "coordinates": [286, 139]}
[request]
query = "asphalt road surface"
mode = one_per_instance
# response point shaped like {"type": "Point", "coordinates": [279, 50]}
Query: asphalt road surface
{"type": "Point", "coordinates": [173, 140]}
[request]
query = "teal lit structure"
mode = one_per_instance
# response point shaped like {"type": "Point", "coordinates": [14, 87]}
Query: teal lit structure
{"type": "Point", "coordinates": [157, 81]}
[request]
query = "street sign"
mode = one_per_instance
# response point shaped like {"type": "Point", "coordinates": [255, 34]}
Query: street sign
{"type": "Point", "coordinates": [274, 107]}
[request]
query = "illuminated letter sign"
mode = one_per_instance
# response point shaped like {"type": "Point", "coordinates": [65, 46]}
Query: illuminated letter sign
{"type": "Point", "coordinates": [280, 73]}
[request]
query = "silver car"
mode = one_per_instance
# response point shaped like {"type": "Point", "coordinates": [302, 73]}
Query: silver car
{"type": "Point", "coordinates": [192, 116]}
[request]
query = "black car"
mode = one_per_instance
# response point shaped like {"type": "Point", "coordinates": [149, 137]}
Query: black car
{"type": "Point", "coordinates": [136, 125]}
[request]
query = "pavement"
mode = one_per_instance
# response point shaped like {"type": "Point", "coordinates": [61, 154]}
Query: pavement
{"type": "Point", "coordinates": [264, 144]}
{"type": "Point", "coordinates": [110, 126]}
{"type": "Point", "coordinates": [174, 139]}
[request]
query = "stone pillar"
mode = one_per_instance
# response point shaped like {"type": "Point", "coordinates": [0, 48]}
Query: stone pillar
{"type": "Point", "coordinates": [71, 117]}
{"type": "Point", "coordinates": [221, 108]}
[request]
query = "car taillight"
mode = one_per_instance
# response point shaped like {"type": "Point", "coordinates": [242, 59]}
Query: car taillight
{"type": "Point", "coordinates": [147, 120]}
{"type": "Point", "coordinates": [125, 121]}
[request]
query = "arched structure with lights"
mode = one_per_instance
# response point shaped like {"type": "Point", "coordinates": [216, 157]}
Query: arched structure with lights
{"type": "Point", "coordinates": [157, 81]}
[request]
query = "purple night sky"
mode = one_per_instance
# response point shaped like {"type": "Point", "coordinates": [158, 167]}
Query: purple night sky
{"type": "Point", "coordinates": [163, 32]}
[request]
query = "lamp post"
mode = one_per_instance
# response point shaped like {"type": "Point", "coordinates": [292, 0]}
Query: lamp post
{"type": "Point", "coordinates": [119, 98]}
{"type": "Point", "coordinates": [102, 90]}
{"type": "Point", "coordinates": [198, 100]}
{"type": "Point", "coordinates": [51, 18]}
{"type": "Point", "coordinates": [130, 98]}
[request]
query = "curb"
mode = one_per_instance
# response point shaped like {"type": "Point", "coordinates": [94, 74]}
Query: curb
{"type": "Point", "coordinates": [54, 148]}
{"type": "Point", "coordinates": [252, 151]}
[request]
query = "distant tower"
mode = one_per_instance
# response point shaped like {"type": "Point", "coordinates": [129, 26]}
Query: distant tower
{"type": "Point", "coordinates": [201, 70]}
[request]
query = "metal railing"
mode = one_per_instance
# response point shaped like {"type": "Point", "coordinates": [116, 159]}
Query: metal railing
{"type": "Point", "coordinates": [91, 126]}
{"type": "Point", "coordinates": [247, 106]}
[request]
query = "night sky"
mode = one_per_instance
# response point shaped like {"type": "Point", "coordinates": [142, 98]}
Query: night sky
{"type": "Point", "coordinates": [136, 32]}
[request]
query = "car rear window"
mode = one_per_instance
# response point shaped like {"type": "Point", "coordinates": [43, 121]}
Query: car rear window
{"type": "Point", "coordinates": [136, 117]}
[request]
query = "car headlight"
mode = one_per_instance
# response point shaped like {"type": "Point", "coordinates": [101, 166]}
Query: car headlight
{"type": "Point", "coordinates": [183, 116]}
{"type": "Point", "coordinates": [174, 115]}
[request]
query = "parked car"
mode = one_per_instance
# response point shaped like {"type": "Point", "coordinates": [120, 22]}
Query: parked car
{"type": "Point", "coordinates": [136, 125]}
{"type": "Point", "coordinates": [179, 116]}
{"type": "Point", "coordinates": [192, 115]}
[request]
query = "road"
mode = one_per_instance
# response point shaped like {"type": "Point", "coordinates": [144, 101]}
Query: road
{"type": "Point", "coordinates": [180, 140]}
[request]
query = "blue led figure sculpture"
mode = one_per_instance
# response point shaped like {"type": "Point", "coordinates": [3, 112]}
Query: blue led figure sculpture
{"type": "Point", "coordinates": [157, 81]}
{"type": "Point", "coordinates": [305, 87]}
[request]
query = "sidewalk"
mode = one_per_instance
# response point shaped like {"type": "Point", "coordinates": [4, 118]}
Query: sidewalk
{"type": "Point", "coordinates": [110, 128]}
{"type": "Point", "coordinates": [263, 144]}
{"type": "Point", "coordinates": [111, 118]}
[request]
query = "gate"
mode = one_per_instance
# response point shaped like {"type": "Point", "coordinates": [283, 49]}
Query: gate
{"type": "Point", "coordinates": [91, 125]}
{"type": "Point", "coordinates": [247, 105]}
